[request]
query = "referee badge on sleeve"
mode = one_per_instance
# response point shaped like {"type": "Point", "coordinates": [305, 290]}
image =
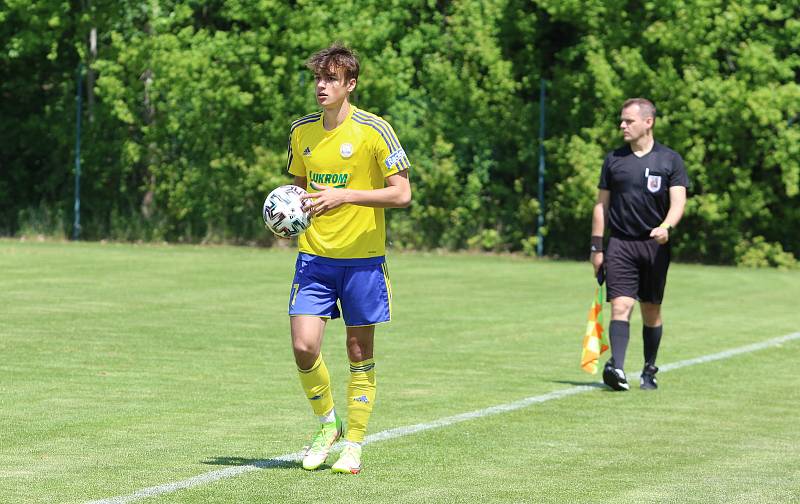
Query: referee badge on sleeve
{"type": "Point", "coordinates": [653, 183]}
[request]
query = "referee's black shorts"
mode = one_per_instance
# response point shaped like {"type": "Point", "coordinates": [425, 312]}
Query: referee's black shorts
{"type": "Point", "coordinates": [637, 269]}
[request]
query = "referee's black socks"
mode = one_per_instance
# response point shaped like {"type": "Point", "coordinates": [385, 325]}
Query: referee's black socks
{"type": "Point", "coordinates": [619, 334]}
{"type": "Point", "coordinates": [652, 338]}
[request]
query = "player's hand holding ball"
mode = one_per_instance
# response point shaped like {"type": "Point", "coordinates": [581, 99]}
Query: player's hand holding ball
{"type": "Point", "coordinates": [326, 199]}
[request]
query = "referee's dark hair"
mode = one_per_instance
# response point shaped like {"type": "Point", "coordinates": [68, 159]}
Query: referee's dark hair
{"type": "Point", "coordinates": [646, 107]}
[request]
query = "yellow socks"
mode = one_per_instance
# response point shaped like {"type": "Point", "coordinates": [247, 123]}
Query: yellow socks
{"type": "Point", "coordinates": [316, 384]}
{"type": "Point", "coordinates": [361, 397]}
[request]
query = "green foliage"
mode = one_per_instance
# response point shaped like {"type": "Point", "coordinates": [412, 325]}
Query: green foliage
{"type": "Point", "coordinates": [191, 103]}
{"type": "Point", "coordinates": [724, 77]}
{"type": "Point", "coordinates": [42, 221]}
{"type": "Point", "coordinates": [37, 67]}
{"type": "Point", "coordinates": [759, 254]}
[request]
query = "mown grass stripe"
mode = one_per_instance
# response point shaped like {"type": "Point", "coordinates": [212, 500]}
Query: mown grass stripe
{"type": "Point", "coordinates": [231, 472]}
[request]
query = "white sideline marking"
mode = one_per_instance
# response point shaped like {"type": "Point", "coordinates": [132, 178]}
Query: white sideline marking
{"type": "Point", "coordinates": [230, 472]}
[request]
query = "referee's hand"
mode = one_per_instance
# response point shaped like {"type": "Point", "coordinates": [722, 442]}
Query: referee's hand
{"type": "Point", "coordinates": [660, 235]}
{"type": "Point", "coordinates": [596, 258]}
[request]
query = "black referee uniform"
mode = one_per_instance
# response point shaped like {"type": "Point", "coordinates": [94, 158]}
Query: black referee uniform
{"type": "Point", "coordinates": [636, 265]}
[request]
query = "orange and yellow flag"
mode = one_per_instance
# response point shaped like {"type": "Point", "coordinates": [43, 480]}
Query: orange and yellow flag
{"type": "Point", "coordinates": [594, 341]}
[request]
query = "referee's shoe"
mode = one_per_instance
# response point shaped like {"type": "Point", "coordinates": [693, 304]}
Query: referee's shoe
{"type": "Point", "coordinates": [614, 377]}
{"type": "Point", "coordinates": [647, 380]}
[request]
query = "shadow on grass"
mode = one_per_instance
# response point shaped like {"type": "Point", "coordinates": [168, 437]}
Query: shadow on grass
{"type": "Point", "coordinates": [594, 384]}
{"type": "Point", "coordinates": [276, 463]}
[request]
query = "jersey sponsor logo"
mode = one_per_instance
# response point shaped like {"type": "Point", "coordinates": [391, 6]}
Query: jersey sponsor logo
{"type": "Point", "coordinates": [307, 152]}
{"type": "Point", "coordinates": [653, 183]}
{"type": "Point", "coordinates": [346, 150]}
{"type": "Point", "coordinates": [337, 180]}
{"type": "Point", "coordinates": [395, 157]}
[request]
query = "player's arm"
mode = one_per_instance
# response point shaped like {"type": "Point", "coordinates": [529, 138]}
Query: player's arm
{"type": "Point", "coordinates": [295, 165]}
{"type": "Point", "coordinates": [396, 194]}
{"type": "Point", "coordinates": [677, 204]}
{"type": "Point", "coordinates": [599, 216]}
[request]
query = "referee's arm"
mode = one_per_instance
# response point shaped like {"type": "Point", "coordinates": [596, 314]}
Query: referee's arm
{"type": "Point", "coordinates": [599, 216]}
{"type": "Point", "coordinates": [677, 203]}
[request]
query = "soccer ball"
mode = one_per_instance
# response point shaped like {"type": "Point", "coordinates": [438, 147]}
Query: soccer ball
{"type": "Point", "coordinates": [284, 212]}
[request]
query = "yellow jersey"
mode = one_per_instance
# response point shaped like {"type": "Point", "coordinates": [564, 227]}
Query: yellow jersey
{"type": "Point", "coordinates": [358, 154]}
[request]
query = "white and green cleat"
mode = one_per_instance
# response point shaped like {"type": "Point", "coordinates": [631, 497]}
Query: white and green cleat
{"type": "Point", "coordinates": [321, 443]}
{"type": "Point", "coordinates": [349, 460]}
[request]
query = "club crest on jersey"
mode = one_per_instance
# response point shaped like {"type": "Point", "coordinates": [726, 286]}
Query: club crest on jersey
{"type": "Point", "coordinates": [307, 152]}
{"type": "Point", "coordinates": [346, 150]}
{"type": "Point", "coordinates": [653, 183]}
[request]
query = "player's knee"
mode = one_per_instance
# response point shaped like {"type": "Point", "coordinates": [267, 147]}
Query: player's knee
{"type": "Point", "coordinates": [357, 353]}
{"type": "Point", "coordinates": [304, 355]}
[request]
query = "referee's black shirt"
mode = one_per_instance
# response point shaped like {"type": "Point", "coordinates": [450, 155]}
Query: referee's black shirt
{"type": "Point", "coordinates": [639, 188]}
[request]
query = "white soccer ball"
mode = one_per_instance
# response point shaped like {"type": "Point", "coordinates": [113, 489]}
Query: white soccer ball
{"type": "Point", "coordinates": [284, 212]}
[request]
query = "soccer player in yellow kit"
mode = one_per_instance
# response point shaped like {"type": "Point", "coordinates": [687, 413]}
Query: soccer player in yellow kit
{"type": "Point", "coordinates": [353, 166]}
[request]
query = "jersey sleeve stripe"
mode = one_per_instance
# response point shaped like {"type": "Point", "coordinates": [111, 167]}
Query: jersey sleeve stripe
{"type": "Point", "coordinates": [289, 153]}
{"type": "Point", "coordinates": [387, 139]}
{"type": "Point", "coordinates": [306, 119]}
{"type": "Point", "coordinates": [403, 162]}
{"type": "Point", "coordinates": [310, 118]}
{"type": "Point", "coordinates": [301, 122]}
{"type": "Point", "coordinates": [382, 127]}
{"type": "Point", "coordinates": [391, 145]}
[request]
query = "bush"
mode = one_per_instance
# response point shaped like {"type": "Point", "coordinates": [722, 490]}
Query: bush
{"type": "Point", "coordinates": [758, 253]}
{"type": "Point", "coordinates": [43, 220]}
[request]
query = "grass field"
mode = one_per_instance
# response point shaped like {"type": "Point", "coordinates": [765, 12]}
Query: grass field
{"type": "Point", "coordinates": [124, 367]}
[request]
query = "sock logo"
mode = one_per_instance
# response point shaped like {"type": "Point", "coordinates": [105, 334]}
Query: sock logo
{"type": "Point", "coordinates": [315, 397]}
{"type": "Point", "coordinates": [362, 399]}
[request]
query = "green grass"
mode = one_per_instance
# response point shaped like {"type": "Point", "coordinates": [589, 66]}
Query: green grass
{"type": "Point", "coordinates": [124, 367]}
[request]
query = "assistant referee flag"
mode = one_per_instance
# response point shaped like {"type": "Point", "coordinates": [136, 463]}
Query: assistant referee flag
{"type": "Point", "coordinates": [594, 341]}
